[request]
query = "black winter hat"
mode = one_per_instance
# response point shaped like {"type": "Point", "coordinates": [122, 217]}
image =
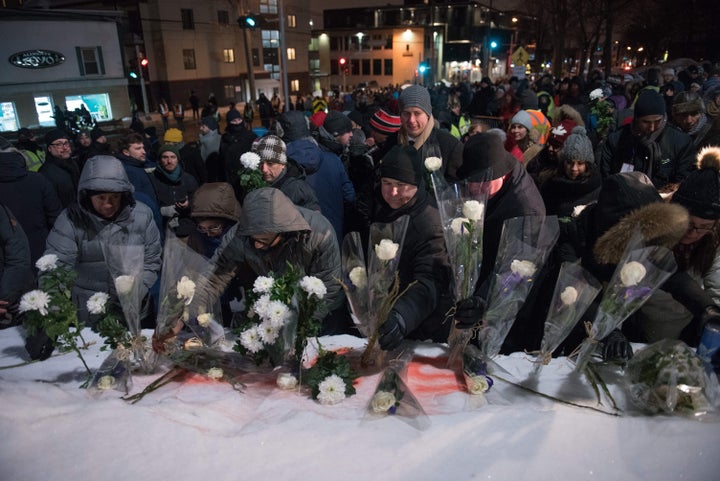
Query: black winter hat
{"type": "Point", "coordinates": [699, 193]}
{"type": "Point", "coordinates": [485, 151]}
{"type": "Point", "coordinates": [649, 102]}
{"type": "Point", "coordinates": [337, 123]}
{"type": "Point", "coordinates": [233, 114]}
{"type": "Point", "coordinates": [402, 163]}
{"type": "Point", "coordinates": [294, 125]}
{"type": "Point", "coordinates": [54, 135]}
{"type": "Point", "coordinates": [209, 122]}
{"type": "Point", "coordinates": [622, 193]}
{"type": "Point", "coordinates": [96, 133]}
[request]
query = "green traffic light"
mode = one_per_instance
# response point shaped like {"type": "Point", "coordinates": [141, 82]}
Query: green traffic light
{"type": "Point", "coordinates": [133, 75]}
{"type": "Point", "coordinates": [250, 22]}
{"type": "Point", "coordinates": [493, 44]}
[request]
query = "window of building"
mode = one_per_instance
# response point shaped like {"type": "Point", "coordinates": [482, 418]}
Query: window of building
{"type": "Point", "coordinates": [270, 38]}
{"type": "Point", "coordinates": [189, 58]}
{"type": "Point", "coordinates": [274, 70]}
{"type": "Point", "coordinates": [295, 85]}
{"type": "Point", "coordinates": [366, 66]}
{"type": "Point", "coordinates": [377, 42]}
{"type": "Point", "coordinates": [228, 55]}
{"type": "Point", "coordinates": [188, 19]}
{"type": "Point", "coordinates": [291, 21]}
{"type": "Point", "coordinates": [256, 57]}
{"type": "Point", "coordinates": [377, 66]}
{"type": "Point", "coordinates": [355, 66]}
{"type": "Point", "coordinates": [388, 42]}
{"type": "Point", "coordinates": [388, 66]}
{"type": "Point", "coordinates": [223, 17]}
{"type": "Point", "coordinates": [314, 45]}
{"type": "Point", "coordinates": [97, 104]}
{"type": "Point", "coordinates": [229, 91]}
{"type": "Point", "coordinates": [90, 60]}
{"type": "Point", "coordinates": [314, 65]}
{"type": "Point", "coordinates": [291, 53]}
{"type": "Point", "coordinates": [8, 117]}
{"type": "Point", "coordinates": [268, 6]}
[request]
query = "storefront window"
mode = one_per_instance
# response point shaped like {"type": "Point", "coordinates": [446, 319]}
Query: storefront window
{"type": "Point", "coordinates": [8, 121]}
{"type": "Point", "coordinates": [44, 109]}
{"type": "Point", "coordinates": [97, 104]}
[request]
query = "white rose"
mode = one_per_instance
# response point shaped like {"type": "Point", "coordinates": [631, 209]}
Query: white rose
{"type": "Point", "coordinates": [313, 286]}
{"type": "Point", "coordinates": [215, 373]}
{"type": "Point", "coordinates": [382, 401]}
{"type": "Point", "coordinates": [204, 320]}
{"type": "Point", "coordinates": [473, 210]}
{"type": "Point", "coordinates": [386, 250]}
{"type": "Point", "coordinates": [262, 284]}
{"type": "Point", "coordinates": [124, 284]}
{"type": "Point", "coordinates": [250, 160]}
{"type": "Point", "coordinates": [358, 276]}
{"type": "Point", "coordinates": [105, 383]}
{"type": "Point", "coordinates": [48, 262]}
{"type": "Point", "coordinates": [569, 295]}
{"type": "Point", "coordinates": [523, 268]}
{"type": "Point", "coordinates": [632, 273]}
{"type": "Point", "coordinates": [96, 303]}
{"type": "Point", "coordinates": [433, 163]}
{"type": "Point", "coordinates": [186, 289]}
{"type": "Point", "coordinates": [478, 385]}
{"type": "Point", "coordinates": [286, 381]}
{"type": "Point", "coordinates": [596, 94]}
{"type": "Point", "coordinates": [458, 225]}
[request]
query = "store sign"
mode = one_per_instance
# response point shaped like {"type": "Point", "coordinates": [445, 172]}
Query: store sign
{"type": "Point", "coordinates": [36, 59]}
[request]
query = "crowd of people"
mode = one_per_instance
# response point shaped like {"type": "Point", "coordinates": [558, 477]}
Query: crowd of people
{"type": "Point", "coordinates": [603, 155]}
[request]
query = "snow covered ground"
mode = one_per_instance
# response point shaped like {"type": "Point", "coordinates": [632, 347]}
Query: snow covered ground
{"type": "Point", "coordinates": [204, 430]}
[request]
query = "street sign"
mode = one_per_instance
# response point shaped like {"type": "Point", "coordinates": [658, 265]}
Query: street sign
{"type": "Point", "coordinates": [520, 56]}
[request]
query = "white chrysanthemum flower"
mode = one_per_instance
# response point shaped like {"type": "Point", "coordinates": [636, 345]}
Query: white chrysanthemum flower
{"type": "Point", "coordinates": [204, 320]}
{"type": "Point", "coordinates": [106, 382]}
{"type": "Point", "coordinates": [268, 332]}
{"type": "Point", "coordinates": [124, 284]}
{"type": "Point", "coordinates": [478, 385]}
{"type": "Point", "coordinates": [261, 306]}
{"type": "Point", "coordinates": [433, 163]}
{"type": "Point", "coordinates": [186, 289]}
{"type": "Point", "coordinates": [473, 210]}
{"type": "Point", "coordinates": [358, 276]}
{"type": "Point", "coordinates": [96, 303]}
{"type": "Point", "coordinates": [386, 250]}
{"type": "Point", "coordinates": [332, 390]}
{"type": "Point", "coordinates": [286, 381]}
{"type": "Point", "coordinates": [278, 313]}
{"type": "Point", "coordinates": [263, 284]}
{"type": "Point", "coordinates": [250, 160]}
{"type": "Point", "coordinates": [48, 262]}
{"type": "Point", "coordinates": [382, 401]}
{"type": "Point", "coordinates": [36, 300]}
{"type": "Point", "coordinates": [251, 340]}
{"type": "Point", "coordinates": [569, 295]}
{"type": "Point", "coordinates": [458, 225]}
{"type": "Point", "coordinates": [215, 373]}
{"type": "Point", "coordinates": [523, 268]}
{"type": "Point", "coordinates": [597, 94]}
{"type": "Point", "coordinates": [313, 286]}
{"type": "Point", "coordinates": [577, 210]}
{"type": "Point", "coordinates": [632, 273]}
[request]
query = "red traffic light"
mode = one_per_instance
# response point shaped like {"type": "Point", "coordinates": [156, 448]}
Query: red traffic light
{"type": "Point", "coordinates": [342, 60]}
{"type": "Point", "coordinates": [144, 62]}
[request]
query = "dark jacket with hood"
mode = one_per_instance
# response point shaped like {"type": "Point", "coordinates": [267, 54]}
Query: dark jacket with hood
{"type": "Point", "coordinates": [234, 142]}
{"type": "Point", "coordinates": [31, 197]}
{"type": "Point", "coordinates": [292, 183]}
{"type": "Point", "coordinates": [16, 275]}
{"type": "Point", "coordinates": [562, 195]}
{"type": "Point", "coordinates": [144, 190]}
{"type": "Point", "coordinates": [79, 233]}
{"type": "Point", "coordinates": [170, 190]}
{"type": "Point", "coordinates": [63, 175]}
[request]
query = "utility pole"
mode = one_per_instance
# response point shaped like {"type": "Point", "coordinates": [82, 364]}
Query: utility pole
{"type": "Point", "coordinates": [139, 58]}
{"type": "Point", "coordinates": [283, 56]}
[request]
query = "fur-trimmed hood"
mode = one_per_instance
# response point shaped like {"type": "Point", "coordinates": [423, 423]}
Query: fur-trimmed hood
{"type": "Point", "coordinates": [659, 223]}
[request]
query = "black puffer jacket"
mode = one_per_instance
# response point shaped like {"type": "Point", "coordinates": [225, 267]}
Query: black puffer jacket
{"type": "Point", "coordinates": [562, 195]}
{"type": "Point", "coordinates": [16, 276]}
{"type": "Point", "coordinates": [63, 175]}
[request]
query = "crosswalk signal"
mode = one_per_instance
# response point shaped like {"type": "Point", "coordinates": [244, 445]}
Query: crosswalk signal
{"type": "Point", "coordinates": [247, 21]}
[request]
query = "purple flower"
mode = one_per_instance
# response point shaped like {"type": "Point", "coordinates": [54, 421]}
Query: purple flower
{"type": "Point", "coordinates": [637, 293]}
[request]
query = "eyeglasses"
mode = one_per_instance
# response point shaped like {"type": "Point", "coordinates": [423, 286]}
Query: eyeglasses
{"type": "Point", "coordinates": [59, 145]}
{"type": "Point", "coordinates": [213, 229]}
{"type": "Point", "coordinates": [701, 229]}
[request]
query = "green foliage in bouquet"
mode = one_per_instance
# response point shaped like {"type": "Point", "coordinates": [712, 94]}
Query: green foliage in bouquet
{"type": "Point", "coordinates": [251, 177]}
{"type": "Point", "coordinates": [330, 363]}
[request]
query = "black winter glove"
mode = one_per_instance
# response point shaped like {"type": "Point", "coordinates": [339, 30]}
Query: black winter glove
{"type": "Point", "coordinates": [616, 347]}
{"type": "Point", "coordinates": [392, 331]}
{"type": "Point", "coordinates": [469, 312]}
{"type": "Point", "coordinates": [39, 346]}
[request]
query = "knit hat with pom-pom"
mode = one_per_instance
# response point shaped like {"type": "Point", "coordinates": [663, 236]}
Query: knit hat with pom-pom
{"type": "Point", "coordinates": [700, 191]}
{"type": "Point", "coordinates": [577, 146]}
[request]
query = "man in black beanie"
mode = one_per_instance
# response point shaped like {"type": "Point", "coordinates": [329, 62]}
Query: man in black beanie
{"type": "Point", "coordinates": [60, 167]}
{"type": "Point", "coordinates": [646, 145]}
{"type": "Point", "coordinates": [419, 312]}
{"type": "Point", "coordinates": [234, 142]}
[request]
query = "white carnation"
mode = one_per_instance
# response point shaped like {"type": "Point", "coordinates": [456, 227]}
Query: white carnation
{"type": "Point", "coordinates": [124, 284]}
{"type": "Point", "coordinates": [569, 295]}
{"type": "Point", "coordinates": [185, 289]}
{"type": "Point", "coordinates": [48, 262]}
{"type": "Point", "coordinates": [204, 320]}
{"type": "Point", "coordinates": [382, 401]}
{"type": "Point", "coordinates": [215, 373]}
{"type": "Point", "coordinates": [358, 276]}
{"type": "Point", "coordinates": [286, 381]}
{"type": "Point", "coordinates": [386, 250]}
{"type": "Point", "coordinates": [251, 340]}
{"type": "Point", "coordinates": [523, 268]}
{"type": "Point", "coordinates": [313, 286]}
{"type": "Point", "coordinates": [433, 163]}
{"type": "Point", "coordinates": [332, 390]}
{"type": "Point", "coordinates": [632, 273]}
{"type": "Point", "coordinates": [458, 225]}
{"type": "Point", "coordinates": [250, 160]}
{"type": "Point", "coordinates": [105, 383]}
{"type": "Point", "coordinates": [36, 300]}
{"type": "Point", "coordinates": [596, 94]}
{"type": "Point", "coordinates": [473, 210]}
{"type": "Point", "coordinates": [96, 303]}
{"type": "Point", "coordinates": [262, 284]}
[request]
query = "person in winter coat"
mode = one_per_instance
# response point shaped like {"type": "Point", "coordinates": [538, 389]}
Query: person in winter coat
{"type": "Point", "coordinates": [59, 167]}
{"type": "Point", "coordinates": [234, 142]}
{"type": "Point", "coordinates": [648, 145]}
{"type": "Point", "coordinates": [190, 157]}
{"type": "Point", "coordinates": [688, 114]}
{"type": "Point", "coordinates": [16, 275]}
{"type": "Point", "coordinates": [420, 312]}
{"type": "Point", "coordinates": [523, 140]}
{"type": "Point", "coordinates": [284, 174]}
{"type": "Point", "coordinates": [34, 154]}
{"type": "Point", "coordinates": [174, 188]}
{"type": "Point", "coordinates": [272, 232]}
{"type": "Point", "coordinates": [106, 212]}
{"type": "Point", "coordinates": [210, 148]}
{"type": "Point", "coordinates": [419, 130]}
{"type": "Point", "coordinates": [30, 195]}
{"type": "Point", "coordinates": [325, 171]}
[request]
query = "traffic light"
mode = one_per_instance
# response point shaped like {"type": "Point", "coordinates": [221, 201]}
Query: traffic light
{"type": "Point", "coordinates": [342, 61]}
{"type": "Point", "coordinates": [493, 44]}
{"type": "Point", "coordinates": [423, 68]}
{"type": "Point", "coordinates": [247, 21]}
{"type": "Point", "coordinates": [133, 68]}
{"type": "Point", "coordinates": [144, 62]}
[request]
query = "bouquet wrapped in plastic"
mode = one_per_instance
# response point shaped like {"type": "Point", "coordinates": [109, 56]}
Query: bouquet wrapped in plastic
{"type": "Point", "coordinates": [574, 291]}
{"type": "Point", "coordinates": [639, 273]}
{"type": "Point", "coordinates": [668, 377]}
{"type": "Point", "coordinates": [475, 371]}
{"type": "Point", "coordinates": [373, 288]}
{"type": "Point", "coordinates": [113, 374]}
{"type": "Point", "coordinates": [393, 397]}
{"type": "Point", "coordinates": [525, 243]}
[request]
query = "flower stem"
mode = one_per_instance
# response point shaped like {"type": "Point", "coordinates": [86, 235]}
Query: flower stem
{"type": "Point", "coordinates": [166, 378]}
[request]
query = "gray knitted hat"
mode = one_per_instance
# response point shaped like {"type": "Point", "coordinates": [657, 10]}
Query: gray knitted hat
{"type": "Point", "coordinates": [522, 118]}
{"type": "Point", "coordinates": [416, 96]}
{"type": "Point", "coordinates": [577, 147]}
